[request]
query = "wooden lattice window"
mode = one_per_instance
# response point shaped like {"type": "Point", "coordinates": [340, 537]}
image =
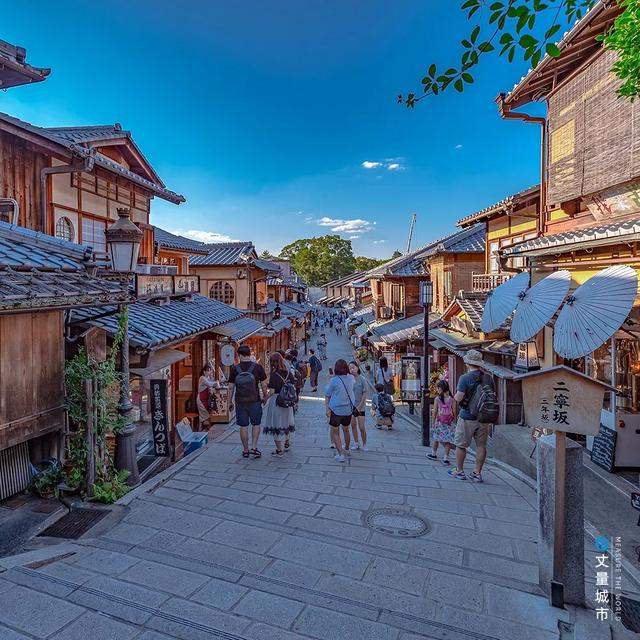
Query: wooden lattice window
{"type": "Point", "coordinates": [223, 292]}
{"type": "Point", "coordinates": [64, 229]}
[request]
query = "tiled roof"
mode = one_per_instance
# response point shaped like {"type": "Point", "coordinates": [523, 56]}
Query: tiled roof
{"type": "Point", "coordinates": [167, 240]}
{"type": "Point", "coordinates": [89, 134]}
{"type": "Point", "coordinates": [504, 205]}
{"type": "Point", "coordinates": [472, 303]}
{"type": "Point", "coordinates": [597, 234]}
{"type": "Point", "coordinates": [266, 265]}
{"type": "Point", "coordinates": [470, 240]}
{"type": "Point", "coordinates": [238, 330]}
{"type": "Point", "coordinates": [14, 69]}
{"type": "Point", "coordinates": [344, 279]}
{"type": "Point", "coordinates": [225, 253]}
{"type": "Point", "coordinates": [297, 306]}
{"type": "Point", "coordinates": [77, 149]}
{"type": "Point", "coordinates": [400, 330]}
{"type": "Point", "coordinates": [152, 325]}
{"type": "Point", "coordinates": [361, 313]}
{"type": "Point", "coordinates": [275, 326]}
{"type": "Point", "coordinates": [38, 271]}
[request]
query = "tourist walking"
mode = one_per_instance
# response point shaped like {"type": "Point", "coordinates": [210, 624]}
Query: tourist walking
{"type": "Point", "coordinates": [384, 376]}
{"type": "Point", "coordinates": [279, 419]}
{"type": "Point", "coordinates": [205, 397]}
{"type": "Point", "coordinates": [245, 380]}
{"type": "Point", "coordinates": [340, 407]}
{"type": "Point", "coordinates": [468, 427]}
{"type": "Point", "coordinates": [382, 408]}
{"type": "Point", "coordinates": [358, 420]}
{"type": "Point", "coordinates": [443, 421]}
{"type": "Point", "coordinates": [315, 367]}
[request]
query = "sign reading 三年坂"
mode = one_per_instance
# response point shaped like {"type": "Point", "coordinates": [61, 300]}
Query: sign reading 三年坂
{"type": "Point", "coordinates": [159, 418]}
{"type": "Point", "coordinates": [410, 378]}
{"type": "Point", "coordinates": [166, 285]}
{"type": "Point", "coordinates": [562, 399]}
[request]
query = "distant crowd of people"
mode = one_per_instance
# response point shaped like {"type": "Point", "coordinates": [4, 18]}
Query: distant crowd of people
{"type": "Point", "coordinates": [268, 403]}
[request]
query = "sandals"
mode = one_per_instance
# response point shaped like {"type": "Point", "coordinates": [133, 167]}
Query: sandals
{"type": "Point", "coordinates": [286, 445]}
{"type": "Point", "coordinates": [245, 454]}
{"type": "Point", "coordinates": [256, 453]}
{"type": "Point", "coordinates": [277, 453]}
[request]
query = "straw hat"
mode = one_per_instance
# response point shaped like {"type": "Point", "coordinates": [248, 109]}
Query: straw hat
{"type": "Point", "coordinates": [474, 358]}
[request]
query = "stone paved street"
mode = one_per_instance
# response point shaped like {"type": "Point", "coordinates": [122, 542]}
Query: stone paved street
{"type": "Point", "coordinates": [277, 549]}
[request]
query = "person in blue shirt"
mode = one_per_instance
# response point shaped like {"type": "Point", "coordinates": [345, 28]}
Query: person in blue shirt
{"type": "Point", "coordinates": [340, 402]}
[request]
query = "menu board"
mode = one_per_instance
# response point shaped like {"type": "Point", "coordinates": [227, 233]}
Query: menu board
{"type": "Point", "coordinates": [603, 451]}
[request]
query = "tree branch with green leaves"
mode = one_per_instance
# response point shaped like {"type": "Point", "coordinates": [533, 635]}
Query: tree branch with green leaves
{"type": "Point", "coordinates": [512, 29]}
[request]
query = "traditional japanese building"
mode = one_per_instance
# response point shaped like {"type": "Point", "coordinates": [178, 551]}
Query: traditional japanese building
{"type": "Point", "coordinates": [41, 280]}
{"type": "Point", "coordinates": [14, 69]}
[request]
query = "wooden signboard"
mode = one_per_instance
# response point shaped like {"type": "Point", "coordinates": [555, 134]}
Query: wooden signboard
{"type": "Point", "coordinates": [410, 383]}
{"type": "Point", "coordinates": [603, 451]}
{"type": "Point", "coordinates": [147, 285]}
{"type": "Point", "coordinates": [159, 418]}
{"type": "Point", "coordinates": [561, 399]}
{"type": "Point", "coordinates": [186, 284]}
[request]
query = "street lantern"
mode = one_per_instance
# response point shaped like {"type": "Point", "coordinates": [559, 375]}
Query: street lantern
{"type": "Point", "coordinates": [527, 357]}
{"type": "Point", "coordinates": [426, 293]}
{"type": "Point", "coordinates": [123, 240]}
{"type": "Point", "coordinates": [426, 300]}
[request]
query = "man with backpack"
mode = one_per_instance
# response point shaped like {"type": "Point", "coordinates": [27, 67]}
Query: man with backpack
{"type": "Point", "coordinates": [478, 403]}
{"type": "Point", "coordinates": [245, 380]}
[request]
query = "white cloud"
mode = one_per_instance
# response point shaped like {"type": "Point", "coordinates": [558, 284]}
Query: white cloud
{"type": "Point", "coordinates": [355, 225]}
{"type": "Point", "coordinates": [390, 164]}
{"type": "Point", "coordinates": [458, 146]}
{"type": "Point", "coordinates": [379, 241]}
{"type": "Point", "coordinates": [353, 237]}
{"type": "Point", "coordinates": [208, 237]}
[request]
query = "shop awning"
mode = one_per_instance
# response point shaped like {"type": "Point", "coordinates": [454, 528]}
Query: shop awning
{"type": "Point", "coordinates": [159, 360]}
{"type": "Point", "coordinates": [239, 329]}
{"type": "Point", "coordinates": [362, 330]}
{"type": "Point", "coordinates": [400, 330]}
{"type": "Point", "coordinates": [274, 327]}
{"type": "Point", "coordinates": [455, 342]}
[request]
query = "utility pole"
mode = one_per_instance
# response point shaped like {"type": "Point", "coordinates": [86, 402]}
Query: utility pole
{"type": "Point", "coordinates": [411, 226]}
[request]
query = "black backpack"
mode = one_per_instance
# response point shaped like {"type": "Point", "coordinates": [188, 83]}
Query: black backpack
{"type": "Point", "coordinates": [484, 401]}
{"type": "Point", "coordinates": [246, 385]}
{"type": "Point", "coordinates": [385, 405]}
{"type": "Point", "coordinates": [287, 396]}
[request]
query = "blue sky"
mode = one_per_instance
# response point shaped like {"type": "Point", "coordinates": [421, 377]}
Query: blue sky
{"type": "Point", "coordinates": [277, 120]}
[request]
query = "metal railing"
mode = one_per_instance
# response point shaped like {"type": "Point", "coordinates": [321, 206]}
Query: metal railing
{"type": "Point", "coordinates": [488, 281]}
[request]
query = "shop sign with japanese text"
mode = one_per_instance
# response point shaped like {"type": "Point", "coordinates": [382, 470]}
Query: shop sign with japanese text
{"type": "Point", "coordinates": [159, 418]}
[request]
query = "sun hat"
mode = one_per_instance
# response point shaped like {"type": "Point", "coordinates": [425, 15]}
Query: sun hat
{"type": "Point", "coordinates": [473, 357]}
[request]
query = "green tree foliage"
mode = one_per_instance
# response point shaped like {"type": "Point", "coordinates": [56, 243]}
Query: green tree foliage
{"type": "Point", "coordinates": [322, 259]}
{"type": "Point", "coordinates": [364, 264]}
{"type": "Point", "coordinates": [625, 39]}
{"type": "Point", "coordinates": [267, 255]}
{"type": "Point", "coordinates": [510, 28]}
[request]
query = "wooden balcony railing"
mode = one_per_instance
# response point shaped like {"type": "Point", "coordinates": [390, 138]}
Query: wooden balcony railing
{"type": "Point", "coordinates": [488, 281]}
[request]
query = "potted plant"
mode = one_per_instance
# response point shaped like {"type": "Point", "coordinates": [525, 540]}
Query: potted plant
{"type": "Point", "coordinates": [45, 482]}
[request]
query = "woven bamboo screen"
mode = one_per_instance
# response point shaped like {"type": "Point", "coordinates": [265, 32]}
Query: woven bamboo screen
{"type": "Point", "coordinates": [592, 142]}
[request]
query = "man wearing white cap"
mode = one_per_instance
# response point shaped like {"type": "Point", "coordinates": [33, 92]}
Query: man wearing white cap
{"type": "Point", "coordinates": [468, 428]}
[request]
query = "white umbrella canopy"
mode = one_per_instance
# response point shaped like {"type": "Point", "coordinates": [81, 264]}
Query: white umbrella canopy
{"type": "Point", "coordinates": [502, 301]}
{"type": "Point", "coordinates": [538, 305]}
{"type": "Point", "coordinates": [595, 311]}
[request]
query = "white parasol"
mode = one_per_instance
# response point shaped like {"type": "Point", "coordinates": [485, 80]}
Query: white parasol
{"type": "Point", "coordinates": [502, 301]}
{"type": "Point", "coordinates": [595, 311]}
{"type": "Point", "coordinates": [538, 305]}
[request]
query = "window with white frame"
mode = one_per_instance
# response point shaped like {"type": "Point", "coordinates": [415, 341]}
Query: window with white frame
{"type": "Point", "coordinates": [93, 234]}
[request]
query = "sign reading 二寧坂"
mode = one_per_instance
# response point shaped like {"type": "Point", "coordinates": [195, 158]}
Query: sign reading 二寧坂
{"type": "Point", "coordinates": [562, 399]}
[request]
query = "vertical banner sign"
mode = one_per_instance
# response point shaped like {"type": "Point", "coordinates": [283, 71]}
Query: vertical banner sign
{"type": "Point", "coordinates": [410, 383]}
{"type": "Point", "coordinates": [159, 419]}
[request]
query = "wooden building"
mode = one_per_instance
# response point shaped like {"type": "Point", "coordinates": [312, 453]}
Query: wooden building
{"type": "Point", "coordinates": [590, 213]}
{"type": "Point", "coordinates": [14, 69]}
{"type": "Point", "coordinates": [174, 251]}
{"type": "Point", "coordinates": [41, 278]}
{"type": "Point", "coordinates": [340, 291]}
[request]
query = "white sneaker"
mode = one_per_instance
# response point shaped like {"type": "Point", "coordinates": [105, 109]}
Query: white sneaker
{"type": "Point", "coordinates": [339, 458]}
{"type": "Point", "coordinates": [364, 447]}
{"type": "Point", "coordinates": [354, 447]}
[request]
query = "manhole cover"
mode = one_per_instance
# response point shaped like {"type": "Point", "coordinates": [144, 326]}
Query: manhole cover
{"type": "Point", "coordinates": [74, 524]}
{"type": "Point", "coordinates": [395, 522]}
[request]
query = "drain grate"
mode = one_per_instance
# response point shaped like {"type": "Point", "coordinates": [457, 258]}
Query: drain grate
{"type": "Point", "coordinates": [74, 524]}
{"type": "Point", "coordinates": [396, 522]}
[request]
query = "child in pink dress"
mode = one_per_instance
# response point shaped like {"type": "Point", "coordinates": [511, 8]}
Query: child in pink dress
{"type": "Point", "coordinates": [443, 421]}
